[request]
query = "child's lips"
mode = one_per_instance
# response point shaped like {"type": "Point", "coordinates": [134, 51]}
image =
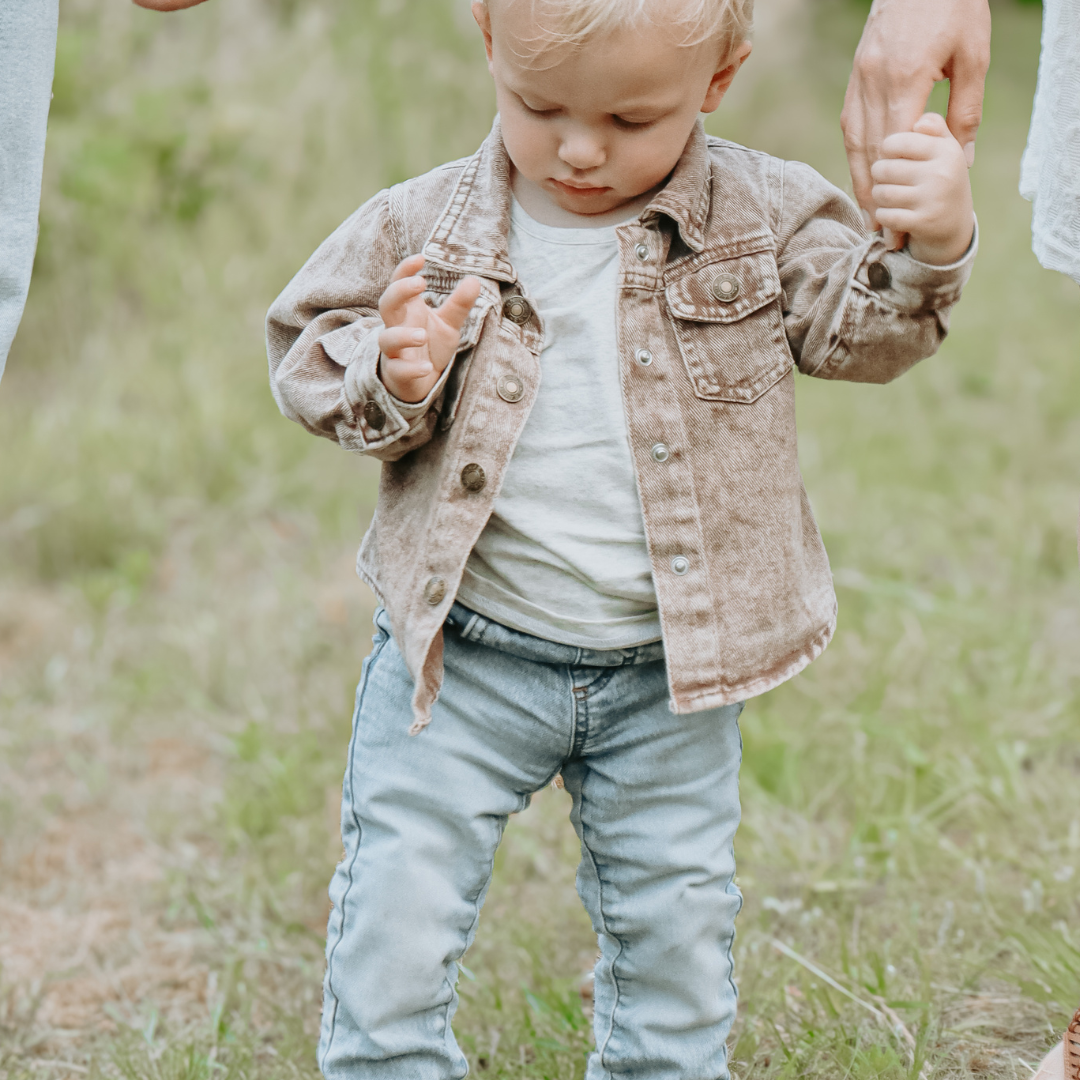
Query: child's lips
{"type": "Point", "coordinates": [578, 190]}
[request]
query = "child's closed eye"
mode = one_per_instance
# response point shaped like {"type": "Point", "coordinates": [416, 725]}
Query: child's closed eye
{"type": "Point", "coordinates": [627, 124]}
{"type": "Point", "coordinates": [539, 109]}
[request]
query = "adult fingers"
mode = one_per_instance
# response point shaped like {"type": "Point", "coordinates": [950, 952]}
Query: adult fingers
{"type": "Point", "coordinates": [456, 307]}
{"type": "Point", "coordinates": [393, 304]}
{"type": "Point", "coordinates": [894, 241]}
{"type": "Point", "coordinates": [967, 81]}
{"type": "Point", "coordinates": [394, 340]}
{"type": "Point", "coordinates": [884, 95]}
{"type": "Point", "coordinates": [853, 122]}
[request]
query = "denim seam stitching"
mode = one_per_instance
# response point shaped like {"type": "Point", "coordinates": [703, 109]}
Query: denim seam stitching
{"type": "Point", "coordinates": [601, 1050]}
{"type": "Point", "coordinates": [731, 938]}
{"type": "Point", "coordinates": [376, 653]}
{"type": "Point", "coordinates": [572, 749]}
{"type": "Point", "coordinates": [472, 927]}
{"type": "Point", "coordinates": [580, 706]}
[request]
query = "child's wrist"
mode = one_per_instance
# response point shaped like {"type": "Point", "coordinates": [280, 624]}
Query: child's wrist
{"type": "Point", "coordinates": [407, 391]}
{"type": "Point", "coordinates": [941, 252]}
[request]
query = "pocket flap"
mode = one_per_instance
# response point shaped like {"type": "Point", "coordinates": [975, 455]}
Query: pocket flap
{"type": "Point", "coordinates": [726, 290]}
{"type": "Point", "coordinates": [439, 287]}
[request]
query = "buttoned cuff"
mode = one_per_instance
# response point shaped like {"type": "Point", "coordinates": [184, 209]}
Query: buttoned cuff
{"type": "Point", "coordinates": [899, 279]}
{"type": "Point", "coordinates": [413, 410]}
{"type": "Point", "coordinates": [378, 417]}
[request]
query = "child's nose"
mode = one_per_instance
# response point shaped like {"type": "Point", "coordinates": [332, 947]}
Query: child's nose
{"type": "Point", "coordinates": [581, 150]}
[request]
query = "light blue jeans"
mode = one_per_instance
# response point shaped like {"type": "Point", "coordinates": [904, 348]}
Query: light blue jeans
{"type": "Point", "coordinates": [655, 804]}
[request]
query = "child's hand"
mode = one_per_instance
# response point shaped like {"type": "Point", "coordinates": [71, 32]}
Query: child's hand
{"type": "Point", "coordinates": [417, 340]}
{"type": "Point", "coordinates": [921, 188]}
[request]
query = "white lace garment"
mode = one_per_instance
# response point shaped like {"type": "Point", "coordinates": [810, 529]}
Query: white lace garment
{"type": "Point", "coordinates": [1050, 173]}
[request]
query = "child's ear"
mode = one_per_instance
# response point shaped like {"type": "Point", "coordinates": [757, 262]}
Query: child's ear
{"type": "Point", "coordinates": [483, 19]}
{"type": "Point", "coordinates": [722, 79]}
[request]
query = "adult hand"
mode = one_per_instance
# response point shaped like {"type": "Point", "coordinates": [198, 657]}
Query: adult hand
{"type": "Point", "coordinates": [167, 5]}
{"type": "Point", "coordinates": [906, 47]}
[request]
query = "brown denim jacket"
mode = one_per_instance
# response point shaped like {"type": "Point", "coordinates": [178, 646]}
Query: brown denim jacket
{"type": "Point", "coordinates": [741, 265]}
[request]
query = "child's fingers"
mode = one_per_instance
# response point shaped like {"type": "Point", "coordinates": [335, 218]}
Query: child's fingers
{"type": "Point", "coordinates": [896, 171]}
{"type": "Point", "coordinates": [932, 123]}
{"type": "Point", "coordinates": [394, 340]}
{"type": "Point", "coordinates": [911, 144]}
{"type": "Point", "coordinates": [394, 302]}
{"type": "Point", "coordinates": [407, 267]}
{"type": "Point", "coordinates": [408, 370]}
{"type": "Point", "coordinates": [895, 196]}
{"type": "Point", "coordinates": [408, 380]}
{"type": "Point", "coordinates": [898, 219]}
{"type": "Point", "coordinates": [456, 307]}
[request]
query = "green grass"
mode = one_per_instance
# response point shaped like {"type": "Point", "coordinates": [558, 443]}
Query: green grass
{"type": "Point", "coordinates": [180, 630]}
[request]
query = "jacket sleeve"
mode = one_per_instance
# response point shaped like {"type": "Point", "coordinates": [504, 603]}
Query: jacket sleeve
{"type": "Point", "coordinates": [852, 309]}
{"type": "Point", "coordinates": [322, 343]}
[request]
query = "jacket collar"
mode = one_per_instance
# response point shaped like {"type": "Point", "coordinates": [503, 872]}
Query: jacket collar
{"type": "Point", "coordinates": [685, 197]}
{"type": "Point", "coordinates": [471, 235]}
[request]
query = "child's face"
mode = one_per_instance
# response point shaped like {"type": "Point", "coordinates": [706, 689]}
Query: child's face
{"type": "Point", "coordinates": [595, 127]}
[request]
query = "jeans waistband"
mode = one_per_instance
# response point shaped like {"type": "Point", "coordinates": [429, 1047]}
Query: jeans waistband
{"type": "Point", "coordinates": [474, 627]}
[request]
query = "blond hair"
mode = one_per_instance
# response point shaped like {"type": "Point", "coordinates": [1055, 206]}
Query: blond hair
{"type": "Point", "coordinates": [572, 22]}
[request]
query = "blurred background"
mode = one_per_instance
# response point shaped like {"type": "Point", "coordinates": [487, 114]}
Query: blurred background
{"type": "Point", "coordinates": [181, 630]}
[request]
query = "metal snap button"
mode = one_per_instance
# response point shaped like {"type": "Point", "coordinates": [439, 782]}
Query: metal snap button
{"type": "Point", "coordinates": [877, 273]}
{"type": "Point", "coordinates": [374, 416]}
{"type": "Point", "coordinates": [660, 452]}
{"type": "Point", "coordinates": [725, 288]}
{"type": "Point", "coordinates": [517, 309]}
{"type": "Point", "coordinates": [680, 565]}
{"type": "Point", "coordinates": [643, 357]}
{"type": "Point", "coordinates": [473, 477]}
{"type": "Point", "coordinates": [642, 252]}
{"type": "Point", "coordinates": [510, 388]}
{"type": "Point", "coordinates": [435, 590]}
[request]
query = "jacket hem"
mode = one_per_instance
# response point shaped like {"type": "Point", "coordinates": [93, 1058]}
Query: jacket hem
{"type": "Point", "coordinates": [714, 698]}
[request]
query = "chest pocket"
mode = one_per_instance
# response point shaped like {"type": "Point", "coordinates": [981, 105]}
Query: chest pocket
{"type": "Point", "coordinates": [729, 327]}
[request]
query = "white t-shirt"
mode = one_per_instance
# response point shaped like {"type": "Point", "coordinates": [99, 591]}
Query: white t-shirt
{"type": "Point", "coordinates": [1050, 174]}
{"type": "Point", "coordinates": [563, 555]}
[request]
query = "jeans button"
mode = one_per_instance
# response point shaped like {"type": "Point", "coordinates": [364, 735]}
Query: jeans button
{"type": "Point", "coordinates": [642, 252]}
{"type": "Point", "coordinates": [643, 357]}
{"type": "Point", "coordinates": [473, 477]}
{"type": "Point", "coordinates": [680, 565]}
{"type": "Point", "coordinates": [660, 452]}
{"type": "Point", "coordinates": [435, 590]}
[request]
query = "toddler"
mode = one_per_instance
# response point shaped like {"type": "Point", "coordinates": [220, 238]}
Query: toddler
{"type": "Point", "coordinates": [573, 353]}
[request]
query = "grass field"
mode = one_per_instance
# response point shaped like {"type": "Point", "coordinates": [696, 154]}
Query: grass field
{"type": "Point", "coordinates": [180, 629]}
